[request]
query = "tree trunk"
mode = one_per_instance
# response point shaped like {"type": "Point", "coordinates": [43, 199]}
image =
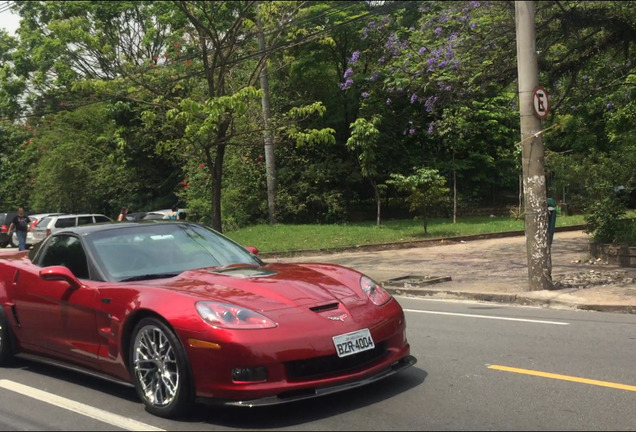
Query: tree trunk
{"type": "Point", "coordinates": [378, 203]}
{"type": "Point", "coordinates": [270, 157]}
{"type": "Point", "coordinates": [217, 187]}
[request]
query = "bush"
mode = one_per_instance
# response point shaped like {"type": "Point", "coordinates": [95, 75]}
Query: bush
{"type": "Point", "coordinates": [605, 219]}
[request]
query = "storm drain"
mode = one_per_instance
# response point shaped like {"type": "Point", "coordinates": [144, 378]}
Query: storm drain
{"type": "Point", "coordinates": [415, 281]}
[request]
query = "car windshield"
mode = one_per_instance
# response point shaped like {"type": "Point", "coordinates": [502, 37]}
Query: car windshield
{"type": "Point", "coordinates": [149, 251]}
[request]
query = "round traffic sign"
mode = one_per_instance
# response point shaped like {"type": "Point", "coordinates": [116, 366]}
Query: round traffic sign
{"type": "Point", "coordinates": [540, 102]}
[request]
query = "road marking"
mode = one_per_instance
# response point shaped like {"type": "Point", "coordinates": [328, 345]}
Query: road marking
{"type": "Point", "coordinates": [564, 377]}
{"type": "Point", "coordinates": [488, 317]}
{"type": "Point", "coordinates": [71, 405]}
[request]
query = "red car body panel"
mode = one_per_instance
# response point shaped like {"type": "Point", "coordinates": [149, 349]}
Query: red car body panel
{"type": "Point", "coordinates": [91, 325]}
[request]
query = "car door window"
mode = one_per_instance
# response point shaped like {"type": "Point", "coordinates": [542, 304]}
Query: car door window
{"type": "Point", "coordinates": [84, 220]}
{"type": "Point", "coordinates": [65, 222]}
{"type": "Point", "coordinates": [66, 251]}
{"type": "Point", "coordinates": [101, 219]}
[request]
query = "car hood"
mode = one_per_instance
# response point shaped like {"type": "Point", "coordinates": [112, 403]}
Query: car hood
{"type": "Point", "coordinates": [272, 286]}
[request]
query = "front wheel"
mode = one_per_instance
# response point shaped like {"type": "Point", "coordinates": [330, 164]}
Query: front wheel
{"type": "Point", "coordinates": [159, 368]}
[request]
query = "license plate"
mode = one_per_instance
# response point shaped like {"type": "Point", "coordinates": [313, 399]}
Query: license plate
{"type": "Point", "coordinates": [354, 342]}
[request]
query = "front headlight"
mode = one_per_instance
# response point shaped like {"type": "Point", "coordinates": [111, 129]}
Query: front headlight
{"type": "Point", "coordinates": [231, 316]}
{"type": "Point", "coordinates": [376, 293]}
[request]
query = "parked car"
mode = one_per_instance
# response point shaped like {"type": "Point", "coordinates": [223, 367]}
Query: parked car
{"type": "Point", "coordinates": [35, 218]}
{"type": "Point", "coordinates": [5, 221]}
{"type": "Point", "coordinates": [627, 195]}
{"type": "Point", "coordinates": [185, 314]}
{"type": "Point", "coordinates": [135, 216]}
{"type": "Point", "coordinates": [165, 214]}
{"type": "Point", "coordinates": [50, 224]}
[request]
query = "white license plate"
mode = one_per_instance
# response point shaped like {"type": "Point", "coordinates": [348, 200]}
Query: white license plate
{"type": "Point", "coordinates": [354, 342]}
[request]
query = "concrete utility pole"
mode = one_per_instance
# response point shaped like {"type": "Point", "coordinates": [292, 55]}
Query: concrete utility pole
{"type": "Point", "coordinates": [532, 154]}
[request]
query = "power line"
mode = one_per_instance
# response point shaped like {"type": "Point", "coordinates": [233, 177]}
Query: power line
{"type": "Point", "coordinates": [6, 6]}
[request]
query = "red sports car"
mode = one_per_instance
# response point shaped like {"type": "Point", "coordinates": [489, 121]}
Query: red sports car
{"type": "Point", "coordinates": [186, 315]}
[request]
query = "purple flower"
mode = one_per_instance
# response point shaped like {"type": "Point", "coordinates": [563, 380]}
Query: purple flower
{"type": "Point", "coordinates": [348, 73]}
{"type": "Point", "coordinates": [413, 98]}
{"type": "Point", "coordinates": [354, 57]}
{"type": "Point", "coordinates": [373, 77]}
{"type": "Point", "coordinates": [388, 101]}
{"type": "Point", "coordinates": [346, 84]}
{"type": "Point", "coordinates": [411, 131]}
{"type": "Point", "coordinates": [430, 103]}
{"type": "Point", "coordinates": [431, 129]}
{"type": "Point", "coordinates": [438, 31]}
{"type": "Point", "coordinates": [421, 50]}
{"type": "Point", "coordinates": [365, 94]}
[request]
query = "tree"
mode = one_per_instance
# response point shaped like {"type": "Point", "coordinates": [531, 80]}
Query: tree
{"type": "Point", "coordinates": [364, 141]}
{"type": "Point", "coordinates": [426, 190]}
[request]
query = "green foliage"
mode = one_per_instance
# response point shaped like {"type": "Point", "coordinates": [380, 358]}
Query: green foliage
{"type": "Point", "coordinates": [363, 141]}
{"type": "Point", "coordinates": [605, 221]}
{"type": "Point", "coordinates": [425, 190]}
{"type": "Point", "coordinates": [433, 84]}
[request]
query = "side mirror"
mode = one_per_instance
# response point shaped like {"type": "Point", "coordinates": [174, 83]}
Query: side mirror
{"type": "Point", "coordinates": [60, 273]}
{"type": "Point", "coordinates": [252, 249]}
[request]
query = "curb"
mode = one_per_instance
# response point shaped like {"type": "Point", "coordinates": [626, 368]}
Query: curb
{"type": "Point", "coordinates": [509, 299]}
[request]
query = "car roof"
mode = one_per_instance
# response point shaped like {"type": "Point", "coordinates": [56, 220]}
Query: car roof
{"type": "Point", "coordinates": [78, 214]}
{"type": "Point", "coordinates": [106, 226]}
{"type": "Point", "coordinates": [41, 215]}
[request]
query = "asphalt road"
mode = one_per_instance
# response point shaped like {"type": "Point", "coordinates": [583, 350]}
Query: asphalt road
{"type": "Point", "coordinates": [480, 367]}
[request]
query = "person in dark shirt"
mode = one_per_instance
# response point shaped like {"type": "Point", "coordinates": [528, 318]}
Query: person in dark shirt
{"type": "Point", "coordinates": [21, 224]}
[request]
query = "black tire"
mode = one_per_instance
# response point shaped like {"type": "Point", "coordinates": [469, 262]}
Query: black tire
{"type": "Point", "coordinates": [159, 369]}
{"type": "Point", "coordinates": [6, 341]}
{"type": "Point", "coordinates": [4, 245]}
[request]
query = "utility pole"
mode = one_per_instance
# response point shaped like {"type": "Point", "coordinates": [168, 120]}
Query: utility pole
{"type": "Point", "coordinates": [532, 153]}
{"type": "Point", "coordinates": [268, 138]}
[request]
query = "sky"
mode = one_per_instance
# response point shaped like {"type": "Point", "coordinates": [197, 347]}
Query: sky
{"type": "Point", "coordinates": [8, 20]}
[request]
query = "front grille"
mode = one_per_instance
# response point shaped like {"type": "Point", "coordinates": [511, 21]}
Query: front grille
{"type": "Point", "coordinates": [332, 365]}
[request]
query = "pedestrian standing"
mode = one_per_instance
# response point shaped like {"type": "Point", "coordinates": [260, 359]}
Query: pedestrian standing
{"type": "Point", "coordinates": [21, 224]}
{"type": "Point", "coordinates": [122, 214]}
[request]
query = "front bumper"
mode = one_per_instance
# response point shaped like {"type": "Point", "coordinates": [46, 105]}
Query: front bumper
{"type": "Point", "coordinates": [283, 398]}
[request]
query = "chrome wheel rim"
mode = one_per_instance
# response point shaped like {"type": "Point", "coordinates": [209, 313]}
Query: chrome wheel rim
{"type": "Point", "coordinates": [155, 366]}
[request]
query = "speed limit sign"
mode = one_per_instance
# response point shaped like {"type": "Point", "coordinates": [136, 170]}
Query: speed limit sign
{"type": "Point", "coordinates": [540, 102]}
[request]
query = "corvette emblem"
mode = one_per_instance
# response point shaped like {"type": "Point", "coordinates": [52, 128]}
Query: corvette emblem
{"type": "Point", "coordinates": [338, 318]}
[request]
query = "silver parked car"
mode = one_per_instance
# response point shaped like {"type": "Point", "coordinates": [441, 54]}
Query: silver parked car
{"type": "Point", "coordinates": [51, 224]}
{"type": "Point", "coordinates": [35, 218]}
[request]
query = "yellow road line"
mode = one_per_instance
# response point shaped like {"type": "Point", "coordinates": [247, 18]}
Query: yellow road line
{"type": "Point", "coordinates": [564, 377]}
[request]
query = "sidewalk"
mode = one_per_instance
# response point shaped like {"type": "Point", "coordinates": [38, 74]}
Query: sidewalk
{"type": "Point", "coordinates": [494, 270]}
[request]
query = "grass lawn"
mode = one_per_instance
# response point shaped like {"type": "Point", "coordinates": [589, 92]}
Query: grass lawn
{"type": "Point", "coordinates": [284, 238]}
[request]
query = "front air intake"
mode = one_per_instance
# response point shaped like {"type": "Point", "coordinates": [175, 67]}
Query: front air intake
{"type": "Point", "coordinates": [325, 307]}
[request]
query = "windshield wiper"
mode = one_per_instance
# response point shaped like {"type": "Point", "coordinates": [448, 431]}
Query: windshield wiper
{"type": "Point", "coordinates": [150, 276]}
